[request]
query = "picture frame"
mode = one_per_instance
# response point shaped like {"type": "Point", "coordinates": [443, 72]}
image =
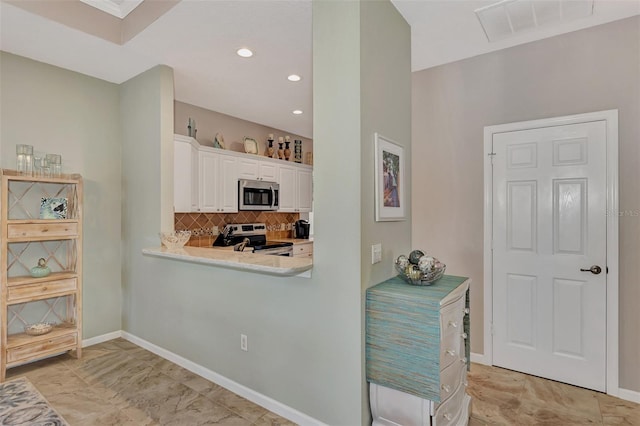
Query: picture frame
{"type": "Point", "coordinates": [53, 208]}
{"type": "Point", "coordinates": [389, 178]}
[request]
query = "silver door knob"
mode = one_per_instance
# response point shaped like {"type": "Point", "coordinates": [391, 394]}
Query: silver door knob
{"type": "Point", "coordinates": [595, 269]}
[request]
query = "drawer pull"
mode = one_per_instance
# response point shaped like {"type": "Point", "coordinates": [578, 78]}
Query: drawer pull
{"type": "Point", "coordinates": [453, 324]}
{"type": "Point", "coordinates": [463, 360]}
{"type": "Point", "coordinates": [464, 336]}
{"type": "Point", "coordinates": [451, 352]}
{"type": "Point", "coordinates": [447, 416]}
{"type": "Point", "coordinates": [446, 388]}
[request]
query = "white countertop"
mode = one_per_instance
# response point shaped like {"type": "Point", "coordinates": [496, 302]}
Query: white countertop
{"type": "Point", "coordinates": [243, 261]}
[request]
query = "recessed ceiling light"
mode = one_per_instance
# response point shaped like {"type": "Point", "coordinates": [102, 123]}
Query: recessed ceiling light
{"type": "Point", "coordinates": [297, 112]}
{"type": "Point", "coordinates": [294, 77]}
{"type": "Point", "coordinates": [244, 52]}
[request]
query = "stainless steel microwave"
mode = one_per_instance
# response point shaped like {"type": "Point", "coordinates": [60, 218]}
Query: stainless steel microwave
{"type": "Point", "coordinates": [258, 195]}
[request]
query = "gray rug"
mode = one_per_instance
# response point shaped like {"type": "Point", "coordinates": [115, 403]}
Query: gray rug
{"type": "Point", "coordinates": [22, 404]}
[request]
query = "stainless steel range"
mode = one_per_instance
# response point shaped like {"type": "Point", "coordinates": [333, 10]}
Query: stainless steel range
{"type": "Point", "coordinates": [254, 236]}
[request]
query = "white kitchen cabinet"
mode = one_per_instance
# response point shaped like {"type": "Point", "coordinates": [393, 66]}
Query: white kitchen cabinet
{"type": "Point", "coordinates": [218, 182]}
{"type": "Point", "coordinates": [288, 188]}
{"type": "Point", "coordinates": [305, 190]}
{"type": "Point", "coordinates": [206, 179]}
{"type": "Point", "coordinates": [304, 249]}
{"type": "Point", "coordinates": [257, 169]}
{"type": "Point", "coordinates": [296, 188]}
{"type": "Point", "coordinates": [185, 174]}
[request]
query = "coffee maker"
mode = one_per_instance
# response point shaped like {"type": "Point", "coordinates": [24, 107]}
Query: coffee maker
{"type": "Point", "coordinates": [301, 229]}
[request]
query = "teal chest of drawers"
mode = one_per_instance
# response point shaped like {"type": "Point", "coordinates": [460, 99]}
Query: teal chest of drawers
{"type": "Point", "coordinates": [417, 349]}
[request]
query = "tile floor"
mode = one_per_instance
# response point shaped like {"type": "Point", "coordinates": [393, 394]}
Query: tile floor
{"type": "Point", "coordinates": [119, 383]}
{"type": "Point", "coordinates": [505, 397]}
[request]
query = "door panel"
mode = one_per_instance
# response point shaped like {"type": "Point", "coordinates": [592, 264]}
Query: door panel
{"type": "Point", "coordinates": [522, 216]}
{"type": "Point", "coordinates": [549, 221]}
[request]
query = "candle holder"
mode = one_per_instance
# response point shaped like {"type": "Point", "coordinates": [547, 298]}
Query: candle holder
{"type": "Point", "coordinates": [270, 149]}
{"type": "Point", "coordinates": [287, 150]}
{"type": "Point", "coordinates": [297, 151]}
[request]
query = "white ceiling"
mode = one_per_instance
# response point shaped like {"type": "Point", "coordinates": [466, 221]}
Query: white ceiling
{"type": "Point", "coordinates": [444, 31]}
{"type": "Point", "coordinates": [198, 39]}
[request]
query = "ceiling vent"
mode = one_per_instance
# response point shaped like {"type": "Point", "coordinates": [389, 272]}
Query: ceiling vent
{"type": "Point", "coordinates": [510, 17]}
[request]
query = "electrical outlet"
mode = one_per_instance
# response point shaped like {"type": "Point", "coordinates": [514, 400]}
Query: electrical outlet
{"type": "Point", "coordinates": [376, 253]}
{"type": "Point", "coordinates": [244, 344]}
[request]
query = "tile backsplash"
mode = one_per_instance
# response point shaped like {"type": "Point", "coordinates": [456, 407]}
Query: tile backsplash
{"type": "Point", "coordinates": [204, 227]}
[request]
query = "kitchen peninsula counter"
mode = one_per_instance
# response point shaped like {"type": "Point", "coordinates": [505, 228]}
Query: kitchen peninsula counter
{"type": "Point", "coordinates": [242, 261]}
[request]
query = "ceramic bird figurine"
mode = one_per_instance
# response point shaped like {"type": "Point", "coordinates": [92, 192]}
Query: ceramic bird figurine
{"type": "Point", "coordinates": [42, 270]}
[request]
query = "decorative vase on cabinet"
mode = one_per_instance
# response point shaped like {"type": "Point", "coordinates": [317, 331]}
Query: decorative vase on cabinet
{"type": "Point", "coordinates": [43, 294]}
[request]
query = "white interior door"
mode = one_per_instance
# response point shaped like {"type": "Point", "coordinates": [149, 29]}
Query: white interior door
{"type": "Point", "coordinates": [549, 222]}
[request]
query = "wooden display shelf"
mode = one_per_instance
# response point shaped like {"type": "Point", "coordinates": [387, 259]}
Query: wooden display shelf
{"type": "Point", "coordinates": [22, 348]}
{"type": "Point", "coordinates": [26, 230]}
{"type": "Point", "coordinates": [20, 197]}
{"type": "Point", "coordinates": [27, 279]}
{"type": "Point", "coordinates": [64, 178]}
{"type": "Point", "coordinates": [20, 339]}
{"type": "Point", "coordinates": [63, 284]}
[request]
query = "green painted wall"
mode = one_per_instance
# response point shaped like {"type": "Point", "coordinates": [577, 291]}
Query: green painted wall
{"type": "Point", "coordinates": [64, 112]}
{"type": "Point", "coordinates": [385, 103]}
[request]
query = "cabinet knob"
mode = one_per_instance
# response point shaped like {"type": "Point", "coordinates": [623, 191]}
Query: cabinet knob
{"type": "Point", "coordinates": [446, 388]}
{"type": "Point", "coordinates": [453, 324]}
{"type": "Point", "coordinates": [447, 416]}
{"type": "Point", "coordinates": [451, 352]}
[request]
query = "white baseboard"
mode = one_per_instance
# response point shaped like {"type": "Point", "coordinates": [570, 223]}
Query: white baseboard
{"type": "Point", "coordinates": [478, 358]}
{"type": "Point", "coordinates": [253, 396]}
{"type": "Point", "coordinates": [102, 338]}
{"type": "Point", "coordinates": [629, 395]}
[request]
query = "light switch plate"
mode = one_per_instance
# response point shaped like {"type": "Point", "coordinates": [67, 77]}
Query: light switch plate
{"type": "Point", "coordinates": [376, 253]}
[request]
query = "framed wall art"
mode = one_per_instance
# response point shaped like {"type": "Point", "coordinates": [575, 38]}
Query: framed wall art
{"type": "Point", "coordinates": [389, 180]}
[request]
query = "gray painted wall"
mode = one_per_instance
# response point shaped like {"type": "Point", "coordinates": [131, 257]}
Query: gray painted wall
{"type": "Point", "coordinates": [590, 70]}
{"type": "Point", "coordinates": [385, 104]}
{"type": "Point", "coordinates": [59, 111]}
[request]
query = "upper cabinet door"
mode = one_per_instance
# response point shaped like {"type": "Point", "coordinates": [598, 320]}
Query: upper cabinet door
{"type": "Point", "coordinates": [228, 184]}
{"type": "Point", "coordinates": [185, 175]}
{"type": "Point", "coordinates": [248, 168]}
{"type": "Point", "coordinates": [305, 190]}
{"type": "Point", "coordinates": [182, 175]}
{"type": "Point", "coordinates": [268, 171]}
{"type": "Point", "coordinates": [208, 172]}
{"type": "Point", "coordinates": [288, 184]}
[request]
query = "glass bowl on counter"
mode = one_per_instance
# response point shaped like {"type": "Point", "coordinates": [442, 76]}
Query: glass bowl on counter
{"type": "Point", "coordinates": [175, 239]}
